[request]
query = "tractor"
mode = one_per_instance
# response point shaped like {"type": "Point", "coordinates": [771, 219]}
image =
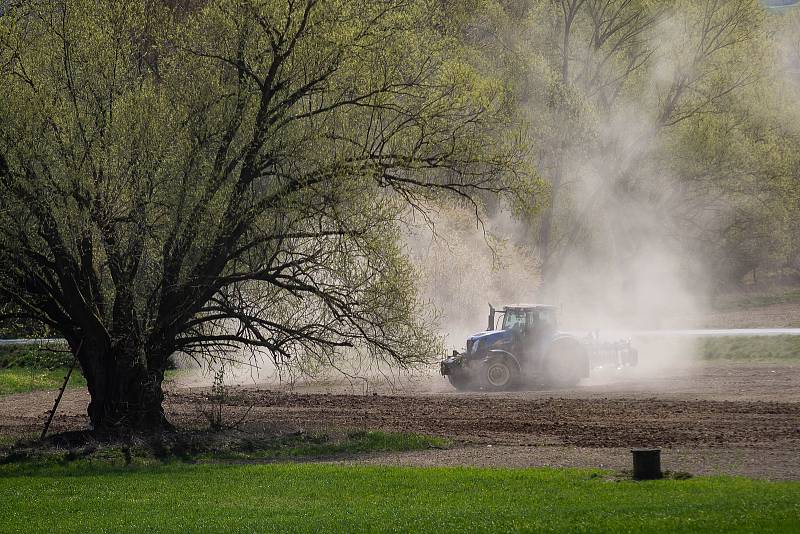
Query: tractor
{"type": "Point", "coordinates": [528, 348]}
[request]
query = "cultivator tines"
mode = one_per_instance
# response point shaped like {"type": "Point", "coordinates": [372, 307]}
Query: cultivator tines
{"type": "Point", "coordinates": [619, 353]}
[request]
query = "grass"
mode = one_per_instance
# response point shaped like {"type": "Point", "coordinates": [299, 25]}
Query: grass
{"type": "Point", "coordinates": [321, 445]}
{"type": "Point", "coordinates": [327, 498]}
{"type": "Point", "coordinates": [758, 300]}
{"type": "Point", "coordinates": [206, 446]}
{"type": "Point", "coordinates": [49, 356]}
{"type": "Point", "coordinates": [750, 348]}
{"type": "Point", "coordinates": [24, 379]}
{"type": "Point", "coordinates": [26, 368]}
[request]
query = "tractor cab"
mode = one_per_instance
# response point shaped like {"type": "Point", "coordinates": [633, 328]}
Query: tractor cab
{"type": "Point", "coordinates": [531, 324]}
{"type": "Point", "coordinates": [528, 319]}
{"type": "Point", "coordinates": [522, 329]}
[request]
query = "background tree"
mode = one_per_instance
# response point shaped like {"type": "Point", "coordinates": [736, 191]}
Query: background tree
{"type": "Point", "coordinates": [231, 175]}
{"type": "Point", "coordinates": [616, 92]}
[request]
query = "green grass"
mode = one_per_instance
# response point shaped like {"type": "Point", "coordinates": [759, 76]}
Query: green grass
{"type": "Point", "coordinates": [782, 349]}
{"type": "Point", "coordinates": [208, 446]}
{"type": "Point", "coordinates": [743, 302]}
{"type": "Point", "coordinates": [320, 445]}
{"type": "Point", "coordinates": [24, 379]}
{"type": "Point", "coordinates": [326, 498]}
{"type": "Point", "coordinates": [48, 356]}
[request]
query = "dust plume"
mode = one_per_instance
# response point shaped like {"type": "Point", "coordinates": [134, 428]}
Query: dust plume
{"type": "Point", "coordinates": [465, 263]}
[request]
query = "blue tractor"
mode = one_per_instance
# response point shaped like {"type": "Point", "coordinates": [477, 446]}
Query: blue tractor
{"type": "Point", "coordinates": [528, 348]}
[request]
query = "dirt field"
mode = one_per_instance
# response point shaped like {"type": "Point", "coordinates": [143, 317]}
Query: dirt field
{"type": "Point", "coordinates": [730, 419]}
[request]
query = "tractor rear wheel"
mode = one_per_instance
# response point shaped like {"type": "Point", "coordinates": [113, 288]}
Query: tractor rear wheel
{"type": "Point", "coordinates": [566, 363]}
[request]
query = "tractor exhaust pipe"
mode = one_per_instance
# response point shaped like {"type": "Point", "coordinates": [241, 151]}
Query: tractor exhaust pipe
{"type": "Point", "coordinates": [491, 317]}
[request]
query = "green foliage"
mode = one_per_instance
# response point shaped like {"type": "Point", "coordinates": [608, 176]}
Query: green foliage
{"type": "Point", "coordinates": [665, 124]}
{"type": "Point", "coordinates": [40, 357]}
{"type": "Point", "coordinates": [14, 328]}
{"type": "Point", "coordinates": [323, 498]}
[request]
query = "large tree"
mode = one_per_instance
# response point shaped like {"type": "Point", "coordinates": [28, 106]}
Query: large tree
{"type": "Point", "coordinates": [229, 174]}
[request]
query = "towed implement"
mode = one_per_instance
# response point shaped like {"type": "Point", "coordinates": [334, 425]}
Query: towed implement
{"type": "Point", "coordinates": [528, 348]}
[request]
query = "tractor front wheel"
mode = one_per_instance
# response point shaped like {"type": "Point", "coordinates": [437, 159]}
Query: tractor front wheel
{"type": "Point", "coordinates": [499, 374]}
{"type": "Point", "coordinates": [460, 381]}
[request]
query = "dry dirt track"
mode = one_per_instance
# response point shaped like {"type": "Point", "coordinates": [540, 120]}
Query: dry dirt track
{"type": "Point", "coordinates": [731, 419]}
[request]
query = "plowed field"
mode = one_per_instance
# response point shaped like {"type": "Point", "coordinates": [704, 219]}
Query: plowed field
{"type": "Point", "coordinates": [734, 419]}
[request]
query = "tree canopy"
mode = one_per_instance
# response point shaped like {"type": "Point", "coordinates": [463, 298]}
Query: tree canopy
{"type": "Point", "coordinates": [231, 174]}
{"type": "Point", "coordinates": [657, 126]}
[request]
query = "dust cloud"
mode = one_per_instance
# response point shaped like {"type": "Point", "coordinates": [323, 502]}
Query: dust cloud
{"type": "Point", "coordinates": [624, 265]}
{"type": "Point", "coordinates": [466, 262]}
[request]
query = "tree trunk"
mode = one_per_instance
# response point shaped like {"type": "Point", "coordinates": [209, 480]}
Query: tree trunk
{"type": "Point", "coordinates": [125, 394]}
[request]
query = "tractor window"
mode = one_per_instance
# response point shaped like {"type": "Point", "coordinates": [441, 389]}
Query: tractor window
{"type": "Point", "coordinates": [514, 319]}
{"type": "Point", "coordinates": [543, 319]}
{"type": "Point", "coordinates": [547, 317]}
